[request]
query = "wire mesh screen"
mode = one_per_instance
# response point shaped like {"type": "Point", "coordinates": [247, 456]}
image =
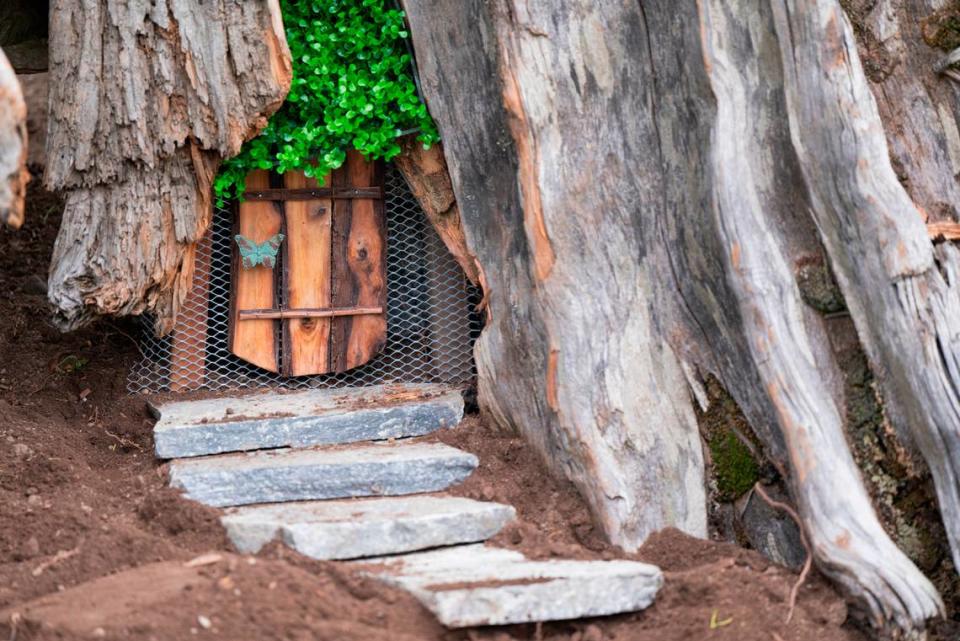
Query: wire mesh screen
{"type": "Point", "coordinates": [431, 318]}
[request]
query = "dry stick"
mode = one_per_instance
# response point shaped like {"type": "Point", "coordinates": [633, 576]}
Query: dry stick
{"type": "Point", "coordinates": [62, 555]}
{"type": "Point", "coordinates": [123, 441]}
{"type": "Point", "coordinates": [803, 539]}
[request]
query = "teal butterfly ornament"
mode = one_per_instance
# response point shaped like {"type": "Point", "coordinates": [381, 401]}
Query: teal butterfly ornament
{"type": "Point", "coordinates": [253, 254]}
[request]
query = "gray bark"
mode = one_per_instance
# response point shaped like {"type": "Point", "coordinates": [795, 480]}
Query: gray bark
{"type": "Point", "coordinates": [145, 102]}
{"type": "Point", "coordinates": [13, 146]}
{"type": "Point", "coordinates": [902, 291]}
{"type": "Point", "coordinates": [640, 184]}
{"type": "Point", "coordinates": [572, 356]}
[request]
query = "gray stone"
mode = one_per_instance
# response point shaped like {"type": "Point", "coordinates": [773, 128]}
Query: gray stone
{"type": "Point", "coordinates": [378, 469]}
{"type": "Point", "coordinates": [300, 419]}
{"type": "Point", "coordinates": [479, 585]}
{"type": "Point", "coordinates": [357, 528]}
{"type": "Point", "coordinates": [771, 532]}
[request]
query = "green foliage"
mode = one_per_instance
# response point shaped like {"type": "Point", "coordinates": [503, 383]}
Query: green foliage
{"type": "Point", "coordinates": [352, 88]}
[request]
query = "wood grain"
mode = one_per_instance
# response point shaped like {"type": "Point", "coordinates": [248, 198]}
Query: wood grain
{"type": "Point", "coordinates": [255, 288]}
{"type": "Point", "coordinates": [306, 279]}
{"type": "Point", "coordinates": [144, 105]}
{"type": "Point", "coordinates": [327, 312]}
{"type": "Point", "coordinates": [359, 267]}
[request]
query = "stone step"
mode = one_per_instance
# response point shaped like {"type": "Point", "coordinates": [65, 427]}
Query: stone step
{"type": "Point", "coordinates": [358, 528]}
{"type": "Point", "coordinates": [302, 419]}
{"type": "Point", "coordinates": [274, 476]}
{"type": "Point", "coordinates": [471, 585]}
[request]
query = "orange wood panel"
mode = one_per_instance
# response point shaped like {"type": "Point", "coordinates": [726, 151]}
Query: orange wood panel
{"type": "Point", "coordinates": [255, 288]}
{"type": "Point", "coordinates": [359, 266]}
{"type": "Point", "coordinates": [306, 280]}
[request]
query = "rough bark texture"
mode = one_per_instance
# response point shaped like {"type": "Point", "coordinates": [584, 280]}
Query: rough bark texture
{"type": "Point", "coordinates": [643, 185]}
{"type": "Point", "coordinates": [572, 355]}
{"type": "Point", "coordinates": [902, 292]}
{"type": "Point", "coordinates": [13, 146]}
{"type": "Point", "coordinates": [145, 102]}
{"type": "Point", "coordinates": [425, 170]}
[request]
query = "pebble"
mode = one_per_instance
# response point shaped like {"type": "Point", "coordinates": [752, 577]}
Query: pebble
{"type": "Point", "coordinates": [22, 450]}
{"type": "Point", "coordinates": [204, 622]}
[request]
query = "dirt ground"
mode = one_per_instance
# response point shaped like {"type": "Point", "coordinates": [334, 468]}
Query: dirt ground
{"type": "Point", "coordinates": [88, 527]}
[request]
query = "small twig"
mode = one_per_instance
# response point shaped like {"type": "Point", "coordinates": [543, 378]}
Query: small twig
{"type": "Point", "coordinates": [803, 539]}
{"type": "Point", "coordinates": [62, 555]}
{"type": "Point", "coordinates": [15, 619]}
{"type": "Point", "coordinates": [123, 441]}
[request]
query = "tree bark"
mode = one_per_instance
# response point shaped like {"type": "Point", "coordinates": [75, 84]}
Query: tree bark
{"type": "Point", "coordinates": [145, 102]}
{"type": "Point", "coordinates": [425, 171]}
{"type": "Point", "coordinates": [642, 184]}
{"type": "Point", "coordinates": [572, 355]}
{"type": "Point", "coordinates": [13, 146]}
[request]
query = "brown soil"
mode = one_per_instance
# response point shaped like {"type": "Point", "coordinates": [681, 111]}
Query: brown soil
{"type": "Point", "coordinates": [88, 527]}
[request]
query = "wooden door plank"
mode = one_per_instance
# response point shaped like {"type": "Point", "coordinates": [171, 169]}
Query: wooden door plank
{"type": "Point", "coordinates": [255, 288]}
{"type": "Point", "coordinates": [359, 267]}
{"type": "Point", "coordinates": [306, 280]}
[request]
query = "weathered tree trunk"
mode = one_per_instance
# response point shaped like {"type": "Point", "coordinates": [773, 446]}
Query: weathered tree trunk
{"type": "Point", "coordinates": [146, 101]}
{"type": "Point", "coordinates": [572, 355]}
{"type": "Point", "coordinates": [641, 184]}
{"type": "Point", "coordinates": [13, 146]}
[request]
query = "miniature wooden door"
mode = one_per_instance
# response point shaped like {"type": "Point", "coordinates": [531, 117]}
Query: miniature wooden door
{"type": "Point", "coordinates": [319, 306]}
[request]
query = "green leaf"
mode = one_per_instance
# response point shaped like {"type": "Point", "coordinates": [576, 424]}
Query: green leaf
{"type": "Point", "coordinates": [352, 87]}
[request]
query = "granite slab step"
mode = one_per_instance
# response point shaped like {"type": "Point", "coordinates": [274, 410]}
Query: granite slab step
{"type": "Point", "coordinates": [350, 529]}
{"type": "Point", "coordinates": [473, 585]}
{"type": "Point", "coordinates": [273, 476]}
{"type": "Point", "coordinates": [302, 419]}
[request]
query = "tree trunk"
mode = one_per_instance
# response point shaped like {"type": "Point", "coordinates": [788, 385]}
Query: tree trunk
{"type": "Point", "coordinates": [145, 104]}
{"type": "Point", "coordinates": [644, 186]}
{"type": "Point", "coordinates": [572, 355]}
{"type": "Point", "coordinates": [13, 146]}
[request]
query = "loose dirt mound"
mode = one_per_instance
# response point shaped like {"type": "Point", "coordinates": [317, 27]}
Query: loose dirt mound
{"type": "Point", "coordinates": [84, 499]}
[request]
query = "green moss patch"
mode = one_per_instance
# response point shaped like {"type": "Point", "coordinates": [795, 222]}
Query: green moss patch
{"type": "Point", "coordinates": [733, 465]}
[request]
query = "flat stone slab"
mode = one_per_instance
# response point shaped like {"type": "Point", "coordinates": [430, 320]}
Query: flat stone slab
{"type": "Point", "coordinates": [274, 476]}
{"type": "Point", "coordinates": [303, 419]}
{"type": "Point", "coordinates": [358, 528]}
{"type": "Point", "coordinates": [473, 585]}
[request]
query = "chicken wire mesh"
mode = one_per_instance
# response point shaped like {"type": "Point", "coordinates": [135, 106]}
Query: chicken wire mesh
{"type": "Point", "coordinates": [432, 320]}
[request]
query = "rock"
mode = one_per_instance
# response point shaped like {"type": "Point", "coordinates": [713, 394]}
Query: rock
{"type": "Point", "coordinates": [771, 532]}
{"type": "Point", "coordinates": [314, 417]}
{"type": "Point", "coordinates": [369, 527]}
{"type": "Point", "coordinates": [472, 585]}
{"type": "Point", "coordinates": [379, 469]}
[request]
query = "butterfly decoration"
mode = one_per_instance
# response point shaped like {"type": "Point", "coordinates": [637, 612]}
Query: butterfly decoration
{"type": "Point", "coordinates": [253, 254]}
